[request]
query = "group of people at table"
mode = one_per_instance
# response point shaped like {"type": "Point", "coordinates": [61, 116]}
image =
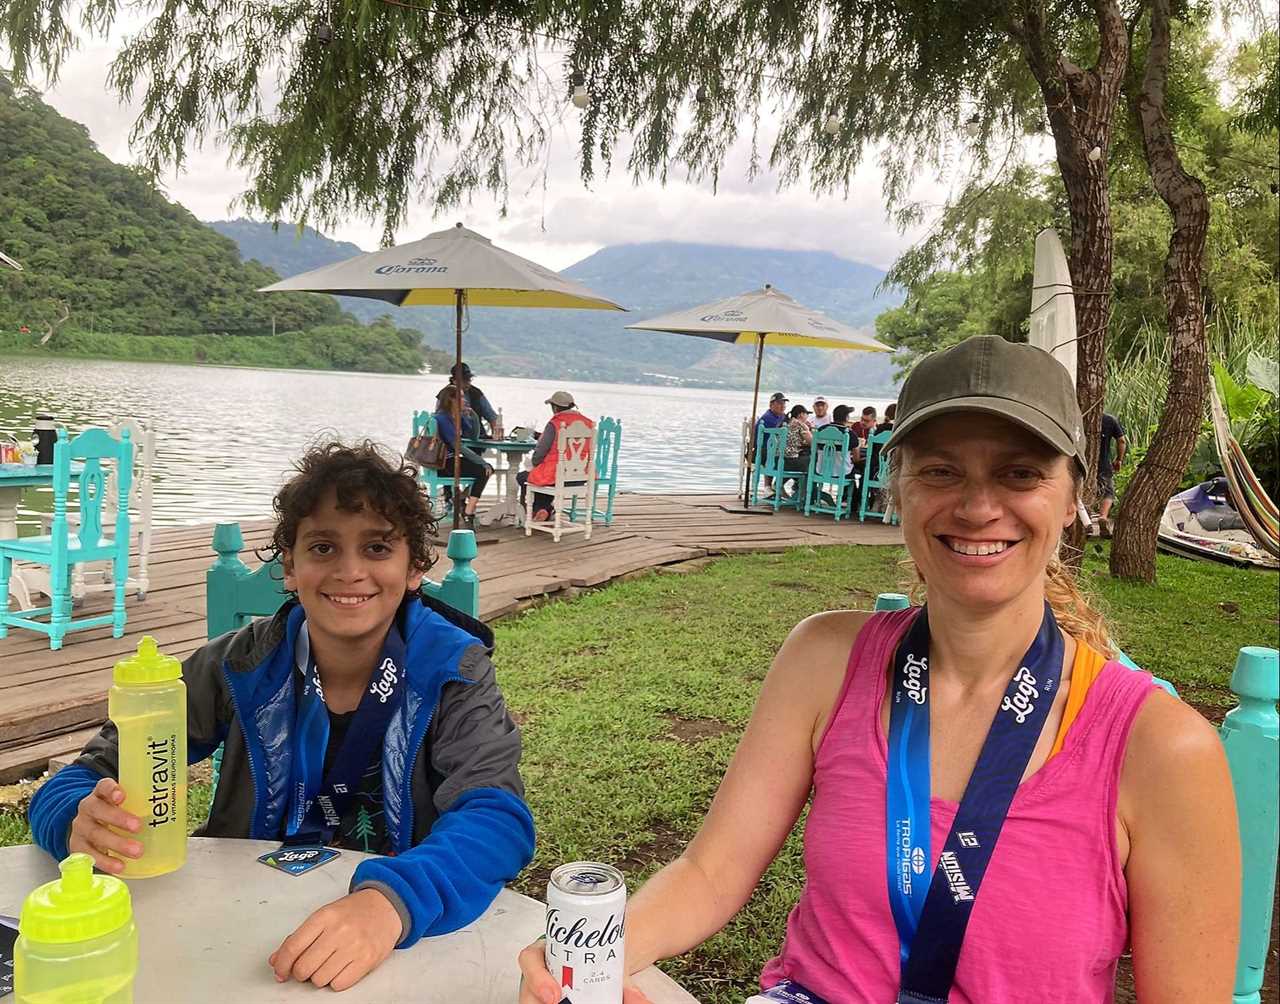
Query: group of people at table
{"type": "Point", "coordinates": [1105, 824]}
{"type": "Point", "coordinates": [481, 422]}
{"type": "Point", "coordinates": [801, 423]}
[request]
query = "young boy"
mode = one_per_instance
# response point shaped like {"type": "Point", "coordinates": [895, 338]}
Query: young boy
{"type": "Point", "coordinates": [362, 715]}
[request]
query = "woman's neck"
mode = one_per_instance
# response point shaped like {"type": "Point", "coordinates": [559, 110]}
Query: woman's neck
{"type": "Point", "coordinates": [975, 649]}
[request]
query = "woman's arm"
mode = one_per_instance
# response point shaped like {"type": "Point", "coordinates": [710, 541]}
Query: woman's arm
{"type": "Point", "coordinates": [759, 800]}
{"type": "Point", "coordinates": [1177, 806]}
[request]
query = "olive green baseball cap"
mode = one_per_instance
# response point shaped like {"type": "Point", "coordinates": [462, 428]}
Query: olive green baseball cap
{"type": "Point", "coordinates": [987, 374]}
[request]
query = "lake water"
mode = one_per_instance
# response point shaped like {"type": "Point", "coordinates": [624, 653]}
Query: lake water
{"type": "Point", "coordinates": [226, 436]}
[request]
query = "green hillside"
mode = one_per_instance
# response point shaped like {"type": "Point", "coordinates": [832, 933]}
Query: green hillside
{"type": "Point", "coordinates": [114, 268]}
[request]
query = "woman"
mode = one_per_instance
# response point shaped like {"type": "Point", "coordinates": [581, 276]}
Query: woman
{"type": "Point", "coordinates": [1121, 828]}
{"type": "Point", "coordinates": [472, 465]}
{"type": "Point", "coordinates": [795, 455]}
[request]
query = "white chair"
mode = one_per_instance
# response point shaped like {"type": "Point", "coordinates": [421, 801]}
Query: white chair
{"type": "Point", "coordinates": [95, 577]}
{"type": "Point", "coordinates": [575, 478]}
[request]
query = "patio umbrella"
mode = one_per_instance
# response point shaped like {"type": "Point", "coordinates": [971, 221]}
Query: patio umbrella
{"type": "Point", "coordinates": [455, 267]}
{"type": "Point", "coordinates": [11, 263]}
{"type": "Point", "coordinates": [763, 315]}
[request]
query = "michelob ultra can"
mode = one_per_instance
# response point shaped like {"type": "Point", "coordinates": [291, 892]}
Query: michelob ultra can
{"type": "Point", "coordinates": [586, 904]}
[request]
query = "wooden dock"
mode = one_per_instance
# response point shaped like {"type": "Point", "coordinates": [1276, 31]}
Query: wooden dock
{"type": "Point", "coordinates": [52, 702]}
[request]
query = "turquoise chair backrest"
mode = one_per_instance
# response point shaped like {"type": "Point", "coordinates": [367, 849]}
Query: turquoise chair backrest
{"type": "Point", "coordinates": [608, 442]}
{"type": "Point", "coordinates": [772, 446]}
{"type": "Point", "coordinates": [830, 454]}
{"type": "Point", "coordinates": [880, 478]}
{"type": "Point", "coordinates": [90, 449]}
{"type": "Point", "coordinates": [424, 421]}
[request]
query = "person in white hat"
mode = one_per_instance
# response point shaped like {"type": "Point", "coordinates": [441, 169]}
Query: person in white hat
{"type": "Point", "coordinates": [821, 417]}
{"type": "Point", "coordinates": [564, 411]}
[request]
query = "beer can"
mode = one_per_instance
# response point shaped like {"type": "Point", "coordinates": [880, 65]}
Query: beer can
{"type": "Point", "coordinates": [586, 906]}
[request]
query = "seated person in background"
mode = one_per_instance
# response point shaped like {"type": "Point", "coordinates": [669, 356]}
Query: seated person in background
{"type": "Point", "coordinates": [1105, 811]}
{"type": "Point", "coordinates": [775, 417]}
{"type": "Point", "coordinates": [868, 422]}
{"type": "Point", "coordinates": [799, 440]}
{"type": "Point", "coordinates": [840, 417]}
{"type": "Point", "coordinates": [472, 464]}
{"type": "Point", "coordinates": [890, 412]}
{"type": "Point", "coordinates": [564, 411]}
{"type": "Point", "coordinates": [478, 417]}
{"type": "Point", "coordinates": [820, 416]}
{"type": "Point", "coordinates": [352, 533]}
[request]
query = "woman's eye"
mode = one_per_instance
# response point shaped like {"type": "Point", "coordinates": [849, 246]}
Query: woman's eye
{"type": "Point", "coordinates": [937, 474]}
{"type": "Point", "coordinates": [1023, 476]}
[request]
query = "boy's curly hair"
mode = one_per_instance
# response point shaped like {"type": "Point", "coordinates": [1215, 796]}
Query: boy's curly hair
{"type": "Point", "coordinates": [363, 474]}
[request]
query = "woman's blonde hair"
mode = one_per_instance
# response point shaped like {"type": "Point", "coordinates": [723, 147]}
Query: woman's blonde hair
{"type": "Point", "coordinates": [1073, 605]}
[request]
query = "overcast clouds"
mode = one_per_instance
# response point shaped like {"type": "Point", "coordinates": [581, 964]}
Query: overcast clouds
{"type": "Point", "coordinates": [566, 223]}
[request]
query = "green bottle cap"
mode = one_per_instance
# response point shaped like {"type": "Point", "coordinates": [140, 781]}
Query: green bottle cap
{"type": "Point", "coordinates": [79, 906]}
{"type": "Point", "coordinates": [150, 665]}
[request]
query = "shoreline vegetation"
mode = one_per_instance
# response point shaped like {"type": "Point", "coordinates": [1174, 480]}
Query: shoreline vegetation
{"type": "Point", "coordinates": [652, 715]}
{"type": "Point", "coordinates": [340, 347]}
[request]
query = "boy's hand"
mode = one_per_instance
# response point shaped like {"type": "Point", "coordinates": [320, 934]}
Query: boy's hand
{"type": "Point", "coordinates": [537, 986]}
{"type": "Point", "coordinates": [340, 943]}
{"type": "Point", "coordinates": [92, 833]}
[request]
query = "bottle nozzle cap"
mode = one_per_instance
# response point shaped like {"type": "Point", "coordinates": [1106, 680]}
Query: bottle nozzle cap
{"type": "Point", "coordinates": [150, 665]}
{"type": "Point", "coordinates": [77, 875]}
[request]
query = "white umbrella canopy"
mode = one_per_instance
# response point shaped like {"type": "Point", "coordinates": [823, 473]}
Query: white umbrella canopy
{"type": "Point", "coordinates": [762, 316]}
{"type": "Point", "coordinates": [1053, 305]}
{"type": "Point", "coordinates": [455, 267]}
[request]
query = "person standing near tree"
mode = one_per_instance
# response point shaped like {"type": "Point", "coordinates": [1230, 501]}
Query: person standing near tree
{"type": "Point", "coordinates": [1111, 430]}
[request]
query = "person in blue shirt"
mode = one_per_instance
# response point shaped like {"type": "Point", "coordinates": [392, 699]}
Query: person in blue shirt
{"type": "Point", "coordinates": [438, 796]}
{"type": "Point", "coordinates": [472, 465]}
{"type": "Point", "coordinates": [773, 418]}
{"type": "Point", "coordinates": [479, 420]}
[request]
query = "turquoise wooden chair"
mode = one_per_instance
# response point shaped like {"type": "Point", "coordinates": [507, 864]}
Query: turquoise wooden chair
{"type": "Point", "coordinates": [829, 474]}
{"type": "Point", "coordinates": [608, 443]}
{"type": "Point", "coordinates": [439, 483]}
{"type": "Point", "coordinates": [234, 595]}
{"type": "Point", "coordinates": [876, 480]}
{"type": "Point", "coordinates": [771, 445]}
{"type": "Point", "coordinates": [61, 549]}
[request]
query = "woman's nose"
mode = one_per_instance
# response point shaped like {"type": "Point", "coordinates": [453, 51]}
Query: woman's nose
{"type": "Point", "coordinates": [979, 501]}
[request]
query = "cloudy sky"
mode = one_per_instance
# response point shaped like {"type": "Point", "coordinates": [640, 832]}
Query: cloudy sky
{"type": "Point", "coordinates": [568, 221]}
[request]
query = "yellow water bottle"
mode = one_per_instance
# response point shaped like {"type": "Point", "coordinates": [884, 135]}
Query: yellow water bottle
{"type": "Point", "coordinates": [76, 940]}
{"type": "Point", "coordinates": [148, 704]}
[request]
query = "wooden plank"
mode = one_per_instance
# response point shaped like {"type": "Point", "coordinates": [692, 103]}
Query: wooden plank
{"type": "Point", "coordinates": [19, 763]}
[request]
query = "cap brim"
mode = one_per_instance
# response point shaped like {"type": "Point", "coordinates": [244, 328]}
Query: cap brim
{"type": "Point", "coordinates": [1016, 412]}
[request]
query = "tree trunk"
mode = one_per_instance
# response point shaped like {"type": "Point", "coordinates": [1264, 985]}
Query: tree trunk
{"type": "Point", "coordinates": [1133, 553]}
{"type": "Point", "coordinates": [1080, 105]}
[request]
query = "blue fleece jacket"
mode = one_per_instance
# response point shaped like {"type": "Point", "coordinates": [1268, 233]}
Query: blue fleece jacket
{"type": "Point", "coordinates": [449, 760]}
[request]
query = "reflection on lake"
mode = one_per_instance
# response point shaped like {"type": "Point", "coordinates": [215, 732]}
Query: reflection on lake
{"type": "Point", "coordinates": [226, 437]}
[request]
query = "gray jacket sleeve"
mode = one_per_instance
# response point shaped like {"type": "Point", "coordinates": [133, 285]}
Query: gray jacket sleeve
{"type": "Point", "coordinates": [474, 742]}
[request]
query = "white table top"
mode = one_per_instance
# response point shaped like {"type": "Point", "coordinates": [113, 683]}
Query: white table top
{"type": "Point", "coordinates": [206, 931]}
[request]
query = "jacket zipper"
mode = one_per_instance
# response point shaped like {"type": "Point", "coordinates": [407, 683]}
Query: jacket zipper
{"type": "Point", "coordinates": [407, 793]}
{"type": "Point", "coordinates": [248, 749]}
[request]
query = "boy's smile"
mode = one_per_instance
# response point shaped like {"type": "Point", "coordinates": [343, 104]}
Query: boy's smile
{"type": "Point", "coordinates": [351, 571]}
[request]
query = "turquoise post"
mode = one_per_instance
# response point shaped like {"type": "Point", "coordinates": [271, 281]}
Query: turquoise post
{"type": "Point", "coordinates": [220, 580]}
{"type": "Point", "coordinates": [892, 601]}
{"type": "Point", "coordinates": [1251, 735]}
{"type": "Point", "coordinates": [460, 587]}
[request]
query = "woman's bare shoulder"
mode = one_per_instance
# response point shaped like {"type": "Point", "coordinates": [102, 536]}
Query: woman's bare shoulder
{"type": "Point", "coordinates": [816, 652]}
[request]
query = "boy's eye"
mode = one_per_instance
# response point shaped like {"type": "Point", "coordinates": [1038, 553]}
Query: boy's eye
{"type": "Point", "coordinates": [320, 547]}
{"type": "Point", "coordinates": [380, 548]}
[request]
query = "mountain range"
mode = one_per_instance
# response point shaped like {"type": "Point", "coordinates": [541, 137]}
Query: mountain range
{"type": "Point", "coordinates": [649, 279]}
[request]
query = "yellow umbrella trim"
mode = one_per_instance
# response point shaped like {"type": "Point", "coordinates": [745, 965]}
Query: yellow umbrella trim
{"type": "Point", "coordinates": [503, 298]}
{"type": "Point", "coordinates": [804, 341]}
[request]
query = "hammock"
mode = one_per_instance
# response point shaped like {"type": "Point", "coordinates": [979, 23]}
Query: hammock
{"type": "Point", "coordinates": [1247, 494]}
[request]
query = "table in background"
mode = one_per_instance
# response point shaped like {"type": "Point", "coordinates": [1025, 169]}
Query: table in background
{"type": "Point", "coordinates": [206, 930]}
{"type": "Point", "coordinates": [14, 478]}
{"type": "Point", "coordinates": [507, 510]}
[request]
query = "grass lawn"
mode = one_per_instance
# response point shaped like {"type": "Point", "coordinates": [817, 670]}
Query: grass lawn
{"type": "Point", "coordinates": [632, 699]}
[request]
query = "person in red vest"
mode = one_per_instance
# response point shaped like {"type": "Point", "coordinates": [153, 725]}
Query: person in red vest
{"type": "Point", "coordinates": [545, 455]}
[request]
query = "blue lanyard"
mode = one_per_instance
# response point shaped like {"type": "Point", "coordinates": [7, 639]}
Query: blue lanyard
{"type": "Point", "coordinates": [317, 803]}
{"type": "Point", "coordinates": [932, 913]}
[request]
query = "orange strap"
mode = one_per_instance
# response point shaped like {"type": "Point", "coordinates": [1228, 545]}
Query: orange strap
{"type": "Point", "coordinates": [1085, 668]}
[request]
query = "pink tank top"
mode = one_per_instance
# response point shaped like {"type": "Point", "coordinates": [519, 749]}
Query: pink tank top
{"type": "Point", "coordinates": [1050, 919]}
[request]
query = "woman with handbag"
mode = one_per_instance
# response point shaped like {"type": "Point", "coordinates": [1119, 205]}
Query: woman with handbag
{"type": "Point", "coordinates": [472, 464]}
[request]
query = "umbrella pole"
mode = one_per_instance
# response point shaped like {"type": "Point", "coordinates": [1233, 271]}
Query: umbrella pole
{"type": "Point", "coordinates": [457, 407]}
{"type": "Point", "coordinates": [751, 433]}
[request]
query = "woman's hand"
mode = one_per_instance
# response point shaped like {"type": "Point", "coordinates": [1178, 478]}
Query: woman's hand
{"type": "Point", "coordinates": [94, 830]}
{"type": "Point", "coordinates": [537, 986]}
{"type": "Point", "coordinates": [340, 943]}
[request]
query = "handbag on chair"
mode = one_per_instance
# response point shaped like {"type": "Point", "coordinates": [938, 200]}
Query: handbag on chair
{"type": "Point", "coordinates": [426, 451]}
